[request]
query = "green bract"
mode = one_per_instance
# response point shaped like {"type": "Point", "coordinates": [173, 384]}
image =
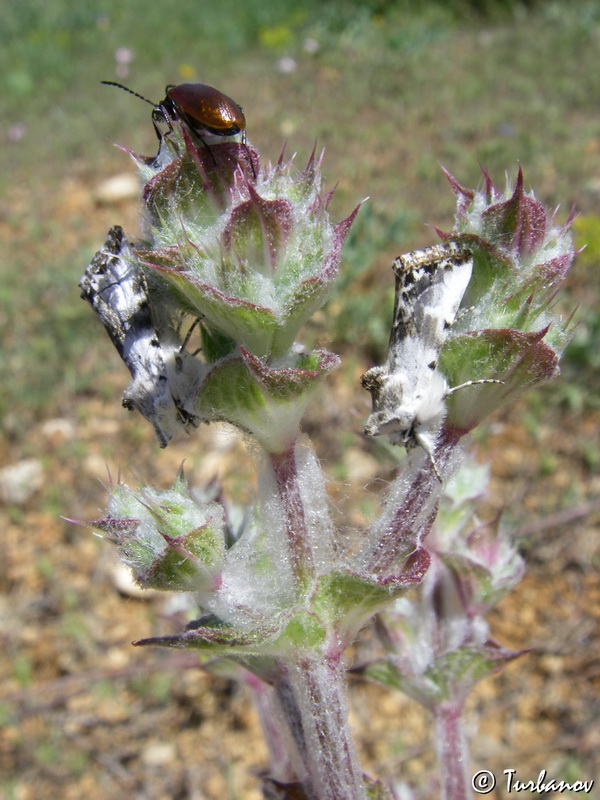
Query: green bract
{"type": "Point", "coordinates": [267, 401]}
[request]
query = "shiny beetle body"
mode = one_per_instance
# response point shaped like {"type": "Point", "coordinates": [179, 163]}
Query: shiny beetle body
{"type": "Point", "coordinates": [203, 109]}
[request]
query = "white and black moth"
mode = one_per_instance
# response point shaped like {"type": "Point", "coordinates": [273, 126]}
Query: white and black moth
{"type": "Point", "coordinates": [409, 391]}
{"type": "Point", "coordinates": [166, 377]}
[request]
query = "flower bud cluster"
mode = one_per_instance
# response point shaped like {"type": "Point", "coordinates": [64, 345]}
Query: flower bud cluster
{"type": "Point", "coordinates": [510, 329]}
{"type": "Point", "coordinates": [170, 541]}
{"type": "Point", "coordinates": [249, 250]}
{"type": "Point", "coordinates": [521, 259]}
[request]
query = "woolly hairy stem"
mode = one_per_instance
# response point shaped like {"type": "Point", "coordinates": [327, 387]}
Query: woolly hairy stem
{"type": "Point", "coordinates": [312, 697]}
{"type": "Point", "coordinates": [286, 477]}
{"type": "Point", "coordinates": [269, 713]}
{"type": "Point", "coordinates": [453, 756]}
{"type": "Point", "coordinates": [413, 518]}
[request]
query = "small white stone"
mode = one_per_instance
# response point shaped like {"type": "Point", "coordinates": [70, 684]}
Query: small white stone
{"type": "Point", "coordinates": [58, 429]}
{"type": "Point", "coordinates": [158, 754]}
{"type": "Point", "coordinates": [21, 480]}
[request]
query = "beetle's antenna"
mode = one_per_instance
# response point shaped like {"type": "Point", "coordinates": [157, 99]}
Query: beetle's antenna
{"type": "Point", "coordinates": [126, 89]}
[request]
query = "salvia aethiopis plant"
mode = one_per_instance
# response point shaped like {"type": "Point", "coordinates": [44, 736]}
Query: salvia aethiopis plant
{"type": "Point", "coordinates": [244, 253]}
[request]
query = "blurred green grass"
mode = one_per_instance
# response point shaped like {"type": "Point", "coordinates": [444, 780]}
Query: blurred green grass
{"type": "Point", "coordinates": [389, 88]}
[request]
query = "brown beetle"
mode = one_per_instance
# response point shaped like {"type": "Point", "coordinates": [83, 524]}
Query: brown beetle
{"type": "Point", "coordinates": [202, 108]}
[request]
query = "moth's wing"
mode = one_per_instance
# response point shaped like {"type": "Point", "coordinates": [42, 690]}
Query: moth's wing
{"type": "Point", "coordinates": [430, 285]}
{"type": "Point", "coordinates": [408, 391]}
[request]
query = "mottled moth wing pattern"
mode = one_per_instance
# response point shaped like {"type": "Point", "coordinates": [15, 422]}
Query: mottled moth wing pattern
{"type": "Point", "coordinates": [408, 391]}
{"type": "Point", "coordinates": [430, 285]}
{"type": "Point", "coordinates": [166, 377]}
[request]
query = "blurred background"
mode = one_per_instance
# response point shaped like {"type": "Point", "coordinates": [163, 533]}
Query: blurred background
{"type": "Point", "coordinates": [391, 90]}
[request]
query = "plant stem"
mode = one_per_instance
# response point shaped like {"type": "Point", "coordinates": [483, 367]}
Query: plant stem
{"type": "Point", "coordinates": [310, 687]}
{"type": "Point", "coordinates": [280, 751]}
{"type": "Point", "coordinates": [311, 693]}
{"type": "Point", "coordinates": [412, 518]}
{"type": "Point", "coordinates": [452, 751]}
{"type": "Point", "coordinates": [286, 477]}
